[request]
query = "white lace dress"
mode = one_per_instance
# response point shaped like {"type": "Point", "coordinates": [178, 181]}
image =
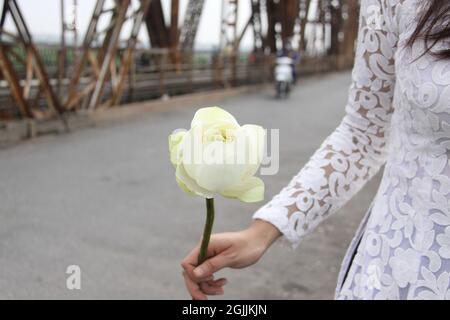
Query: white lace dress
{"type": "Point", "coordinates": [398, 114]}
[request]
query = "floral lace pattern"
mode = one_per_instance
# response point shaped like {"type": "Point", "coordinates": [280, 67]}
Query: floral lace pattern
{"type": "Point", "coordinates": [398, 114]}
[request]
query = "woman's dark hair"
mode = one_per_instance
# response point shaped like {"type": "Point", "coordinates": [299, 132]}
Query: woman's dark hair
{"type": "Point", "coordinates": [434, 26]}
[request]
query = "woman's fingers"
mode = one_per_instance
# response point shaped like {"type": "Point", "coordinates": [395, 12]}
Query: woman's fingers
{"type": "Point", "coordinates": [199, 279]}
{"type": "Point", "coordinates": [193, 288]}
{"type": "Point", "coordinates": [209, 287]}
{"type": "Point", "coordinates": [211, 266]}
{"type": "Point", "coordinates": [217, 283]}
{"type": "Point", "coordinates": [213, 287]}
{"type": "Point", "coordinates": [201, 273]}
{"type": "Point", "coordinates": [190, 263]}
{"type": "Point", "coordinates": [211, 290]}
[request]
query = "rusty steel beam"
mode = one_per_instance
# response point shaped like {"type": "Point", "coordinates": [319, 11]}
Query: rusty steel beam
{"type": "Point", "coordinates": [66, 27]}
{"type": "Point", "coordinates": [109, 52]}
{"type": "Point", "coordinates": [282, 17]}
{"type": "Point", "coordinates": [272, 18]}
{"type": "Point", "coordinates": [258, 37]}
{"type": "Point", "coordinates": [128, 55]}
{"type": "Point", "coordinates": [228, 30]}
{"type": "Point", "coordinates": [100, 66]}
{"type": "Point", "coordinates": [33, 62]}
{"type": "Point", "coordinates": [229, 37]}
{"type": "Point", "coordinates": [13, 81]}
{"type": "Point", "coordinates": [164, 35]}
{"type": "Point", "coordinates": [44, 80]}
{"type": "Point", "coordinates": [156, 26]}
{"type": "Point", "coordinates": [174, 30]}
{"type": "Point", "coordinates": [336, 20]}
{"type": "Point", "coordinates": [190, 24]}
{"type": "Point", "coordinates": [288, 17]}
{"type": "Point", "coordinates": [62, 55]}
{"type": "Point", "coordinates": [305, 6]}
{"type": "Point", "coordinates": [243, 31]}
{"type": "Point", "coordinates": [74, 93]}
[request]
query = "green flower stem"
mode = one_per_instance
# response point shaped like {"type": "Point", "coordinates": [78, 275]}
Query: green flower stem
{"type": "Point", "coordinates": [207, 230]}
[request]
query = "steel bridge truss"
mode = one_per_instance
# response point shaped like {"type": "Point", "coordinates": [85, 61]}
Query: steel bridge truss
{"type": "Point", "coordinates": [30, 61]}
{"type": "Point", "coordinates": [96, 74]}
{"type": "Point", "coordinates": [101, 61]}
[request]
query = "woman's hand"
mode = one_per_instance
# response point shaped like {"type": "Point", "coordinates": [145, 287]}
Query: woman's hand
{"type": "Point", "coordinates": [234, 250]}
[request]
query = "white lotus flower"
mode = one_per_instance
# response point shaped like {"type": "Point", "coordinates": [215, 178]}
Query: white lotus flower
{"type": "Point", "coordinates": [218, 156]}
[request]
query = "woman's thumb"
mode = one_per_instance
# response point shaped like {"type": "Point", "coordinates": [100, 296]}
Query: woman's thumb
{"type": "Point", "coordinates": [210, 266]}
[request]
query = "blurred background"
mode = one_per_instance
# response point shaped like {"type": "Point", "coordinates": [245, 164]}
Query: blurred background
{"type": "Point", "coordinates": [89, 92]}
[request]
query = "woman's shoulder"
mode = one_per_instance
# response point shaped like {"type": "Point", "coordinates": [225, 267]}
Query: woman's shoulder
{"type": "Point", "coordinates": [397, 15]}
{"type": "Point", "coordinates": [392, 7]}
{"type": "Point", "coordinates": [389, 3]}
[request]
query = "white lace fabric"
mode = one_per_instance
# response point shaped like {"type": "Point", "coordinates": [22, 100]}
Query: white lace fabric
{"type": "Point", "coordinates": [398, 114]}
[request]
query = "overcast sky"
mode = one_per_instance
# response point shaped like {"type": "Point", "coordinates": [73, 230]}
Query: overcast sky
{"type": "Point", "coordinates": [43, 18]}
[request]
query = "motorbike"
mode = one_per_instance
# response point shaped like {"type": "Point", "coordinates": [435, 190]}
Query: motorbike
{"type": "Point", "coordinates": [283, 77]}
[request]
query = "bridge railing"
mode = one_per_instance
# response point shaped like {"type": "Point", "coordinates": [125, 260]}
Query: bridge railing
{"type": "Point", "coordinates": [154, 74]}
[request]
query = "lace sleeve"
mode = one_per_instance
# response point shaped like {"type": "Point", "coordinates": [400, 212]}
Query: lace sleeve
{"type": "Point", "coordinates": [356, 150]}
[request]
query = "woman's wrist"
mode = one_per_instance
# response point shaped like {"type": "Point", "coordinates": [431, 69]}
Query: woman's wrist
{"type": "Point", "coordinates": [264, 231]}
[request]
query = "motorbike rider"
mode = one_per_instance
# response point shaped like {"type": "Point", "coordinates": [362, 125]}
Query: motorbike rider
{"type": "Point", "coordinates": [283, 76]}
